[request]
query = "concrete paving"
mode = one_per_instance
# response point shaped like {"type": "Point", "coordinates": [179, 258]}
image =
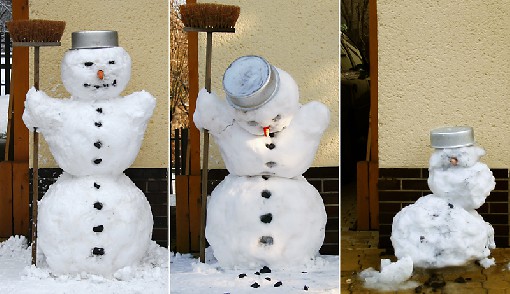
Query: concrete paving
{"type": "Point", "coordinates": [359, 251]}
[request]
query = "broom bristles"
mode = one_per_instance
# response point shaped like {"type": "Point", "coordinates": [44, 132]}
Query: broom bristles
{"type": "Point", "coordinates": [36, 30]}
{"type": "Point", "coordinates": [209, 15]}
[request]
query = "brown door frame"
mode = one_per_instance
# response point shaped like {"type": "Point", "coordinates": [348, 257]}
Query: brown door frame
{"type": "Point", "coordinates": [14, 182]}
{"type": "Point", "coordinates": [368, 171]}
{"type": "Point", "coordinates": [187, 192]}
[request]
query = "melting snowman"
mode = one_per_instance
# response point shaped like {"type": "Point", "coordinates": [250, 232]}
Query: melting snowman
{"type": "Point", "coordinates": [93, 219]}
{"type": "Point", "coordinates": [443, 228]}
{"type": "Point", "coordinates": [264, 212]}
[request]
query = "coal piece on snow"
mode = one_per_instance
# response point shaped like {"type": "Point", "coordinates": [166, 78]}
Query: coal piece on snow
{"type": "Point", "coordinates": [265, 270]}
{"type": "Point", "coordinates": [98, 251]}
{"type": "Point", "coordinates": [242, 276]}
{"type": "Point", "coordinates": [266, 240]}
{"type": "Point", "coordinates": [255, 285]}
{"type": "Point", "coordinates": [278, 284]}
{"type": "Point", "coordinates": [266, 218]}
{"type": "Point", "coordinates": [98, 205]}
{"type": "Point", "coordinates": [98, 229]}
{"type": "Point", "coordinates": [266, 194]}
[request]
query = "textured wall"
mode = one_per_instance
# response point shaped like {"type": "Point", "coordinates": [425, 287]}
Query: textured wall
{"type": "Point", "coordinates": [296, 36]}
{"type": "Point", "coordinates": [443, 63]}
{"type": "Point", "coordinates": [143, 32]}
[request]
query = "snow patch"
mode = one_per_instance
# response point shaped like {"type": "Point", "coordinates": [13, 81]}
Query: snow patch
{"type": "Point", "coordinates": [393, 275]}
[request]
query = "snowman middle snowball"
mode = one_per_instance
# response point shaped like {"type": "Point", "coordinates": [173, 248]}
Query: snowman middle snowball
{"type": "Point", "coordinates": [264, 212]}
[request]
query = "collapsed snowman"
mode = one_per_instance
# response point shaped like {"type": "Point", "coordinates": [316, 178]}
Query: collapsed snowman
{"type": "Point", "coordinates": [93, 219]}
{"type": "Point", "coordinates": [444, 229]}
{"type": "Point", "coordinates": [264, 212]}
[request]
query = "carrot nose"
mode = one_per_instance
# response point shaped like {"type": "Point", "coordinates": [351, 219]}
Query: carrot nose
{"type": "Point", "coordinates": [266, 131]}
{"type": "Point", "coordinates": [100, 74]}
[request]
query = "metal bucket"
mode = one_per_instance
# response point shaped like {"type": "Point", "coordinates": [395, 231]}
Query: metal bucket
{"type": "Point", "coordinates": [452, 137]}
{"type": "Point", "coordinates": [94, 39]}
{"type": "Point", "coordinates": [250, 82]}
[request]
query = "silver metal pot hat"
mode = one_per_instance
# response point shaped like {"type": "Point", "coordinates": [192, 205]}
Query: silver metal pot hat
{"type": "Point", "coordinates": [452, 137]}
{"type": "Point", "coordinates": [94, 39]}
{"type": "Point", "coordinates": [250, 82]}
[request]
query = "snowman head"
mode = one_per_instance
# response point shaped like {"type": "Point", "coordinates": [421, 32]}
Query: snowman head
{"type": "Point", "coordinates": [274, 115]}
{"type": "Point", "coordinates": [456, 157]}
{"type": "Point", "coordinates": [92, 74]}
{"type": "Point", "coordinates": [96, 67]}
{"type": "Point", "coordinates": [263, 98]}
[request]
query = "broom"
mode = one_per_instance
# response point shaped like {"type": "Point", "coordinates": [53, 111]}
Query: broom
{"type": "Point", "coordinates": [35, 33]}
{"type": "Point", "coordinates": [209, 18]}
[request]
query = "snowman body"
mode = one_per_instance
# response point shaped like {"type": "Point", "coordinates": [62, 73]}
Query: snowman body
{"type": "Point", "coordinates": [93, 218]}
{"type": "Point", "coordinates": [443, 228]}
{"type": "Point", "coordinates": [248, 154]}
{"type": "Point", "coordinates": [97, 224]}
{"type": "Point", "coordinates": [265, 212]}
{"type": "Point", "coordinates": [79, 133]}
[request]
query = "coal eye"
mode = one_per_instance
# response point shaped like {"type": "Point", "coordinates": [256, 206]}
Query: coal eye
{"type": "Point", "coordinates": [112, 62]}
{"type": "Point", "coordinates": [252, 123]}
{"type": "Point", "coordinates": [277, 118]}
{"type": "Point", "coordinates": [88, 63]}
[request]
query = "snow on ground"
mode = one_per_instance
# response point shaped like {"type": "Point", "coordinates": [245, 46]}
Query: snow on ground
{"type": "Point", "coordinates": [18, 276]}
{"type": "Point", "coordinates": [188, 275]}
{"type": "Point", "coordinates": [393, 275]}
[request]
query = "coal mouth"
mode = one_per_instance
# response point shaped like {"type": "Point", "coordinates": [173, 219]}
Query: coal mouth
{"type": "Point", "coordinates": [113, 84]}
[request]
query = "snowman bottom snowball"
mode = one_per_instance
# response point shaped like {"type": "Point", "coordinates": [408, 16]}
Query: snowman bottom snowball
{"type": "Point", "coordinates": [435, 233]}
{"type": "Point", "coordinates": [93, 224]}
{"type": "Point", "coordinates": [252, 221]}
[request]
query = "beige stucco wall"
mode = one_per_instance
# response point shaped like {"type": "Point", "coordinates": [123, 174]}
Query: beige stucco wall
{"type": "Point", "coordinates": [143, 32]}
{"type": "Point", "coordinates": [443, 63]}
{"type": "Point", "coordinates": [300, 38]}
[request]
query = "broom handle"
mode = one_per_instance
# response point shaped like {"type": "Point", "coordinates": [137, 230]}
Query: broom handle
{"type": "Point", "coordinates": [35, 167]}
{"type": "Point", "coordinates": [205, 159]}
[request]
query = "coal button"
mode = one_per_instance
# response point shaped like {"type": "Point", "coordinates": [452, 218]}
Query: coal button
{"type": "Point", "coordinates": [266, 218]}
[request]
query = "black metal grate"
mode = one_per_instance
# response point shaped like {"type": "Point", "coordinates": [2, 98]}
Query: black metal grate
{"type": "Point", "coordinates": [5, 64]}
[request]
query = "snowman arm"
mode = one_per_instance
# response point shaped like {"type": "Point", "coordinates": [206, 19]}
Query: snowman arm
{"type": "Point", "coordinates": [140, 105]}
{"type": "Point", "coordinates": [41, 111]}
{"type": "Point", "coordinates": [312, 118]}
{"type": "Point", "coordinates": [211, 113]}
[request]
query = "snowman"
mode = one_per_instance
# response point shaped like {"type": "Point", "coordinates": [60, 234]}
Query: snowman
{"type": "Point", "coordinates": [93, 218]}
{"type": "Point", "coordinates": [444, 229]}
{"type": "Point", "coordinates": [264, 212]}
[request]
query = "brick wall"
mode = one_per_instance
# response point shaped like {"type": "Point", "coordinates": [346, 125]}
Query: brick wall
{"type": "Point", "coordinates": [325, 180]}
{"type": "Point", "coordinates": [399, 187]}
{"type": "Point", "coordinates": [152, 181]}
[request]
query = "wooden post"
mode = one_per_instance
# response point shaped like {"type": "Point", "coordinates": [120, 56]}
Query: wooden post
{"type": "Point", "coordinates": [368, 171]}
{"type": "Point", "coordinates": [20, 134]}
{"type": "Point", "coordinates": [374, 117]}
{"type": "Point", "coordinates": [35, 166]}
{"type": "Point", "coordinates": [5, 199]}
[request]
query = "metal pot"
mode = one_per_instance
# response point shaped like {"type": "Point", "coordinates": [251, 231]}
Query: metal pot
{"type": "Point", "coordinates": [452, 137]}
{"type": "Point", "coordinates": [250, 82]}
{"type": "Point", "coordinates": [94, 39]}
